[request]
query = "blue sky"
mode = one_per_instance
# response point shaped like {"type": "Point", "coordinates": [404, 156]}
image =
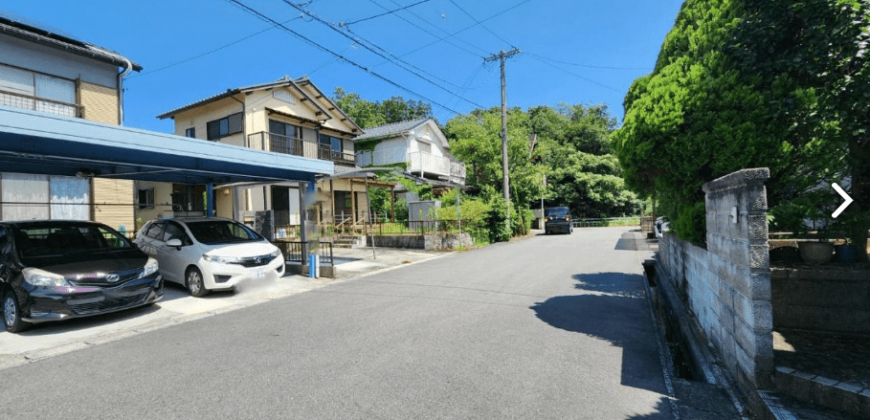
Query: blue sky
{"type": "Point", "coordinates": [559, 41]}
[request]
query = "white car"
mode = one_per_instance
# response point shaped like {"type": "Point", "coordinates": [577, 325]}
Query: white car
{"type": "Point", "coordinates": [206, 254]}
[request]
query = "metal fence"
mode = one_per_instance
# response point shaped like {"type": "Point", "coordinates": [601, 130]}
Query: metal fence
{"type": "Point", "coordinates": [293, 251]}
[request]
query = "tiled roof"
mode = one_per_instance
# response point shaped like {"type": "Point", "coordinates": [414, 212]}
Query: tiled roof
{"type": "Point", "coordinates": [391, 129]}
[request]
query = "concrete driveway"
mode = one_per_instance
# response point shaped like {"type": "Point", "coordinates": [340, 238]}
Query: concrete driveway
{"type": "Point", "coordinates": [177, 307]}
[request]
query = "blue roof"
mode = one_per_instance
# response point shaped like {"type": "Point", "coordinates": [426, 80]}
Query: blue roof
{"type": "Point", "coordinates": [39, 143]}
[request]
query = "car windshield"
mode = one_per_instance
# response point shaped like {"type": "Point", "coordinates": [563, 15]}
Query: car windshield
{"type": "Point", "coordinates": [557, 212]}
{"type": "Point", "coordinates": [45, 240]}
{"type": "Point", "coordinates": [221, 231]}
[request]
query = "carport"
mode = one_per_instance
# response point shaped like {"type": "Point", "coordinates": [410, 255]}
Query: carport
{"type": "Point", "coordinates": [37, 143]}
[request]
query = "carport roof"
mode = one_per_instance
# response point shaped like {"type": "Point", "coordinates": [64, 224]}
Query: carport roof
{"type": "Point", "coordinates": [37, 143]}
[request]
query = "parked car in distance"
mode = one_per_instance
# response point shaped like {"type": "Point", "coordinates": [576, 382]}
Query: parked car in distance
{"type": "Point", "coordinates": [557, 219]}
{"type": "Point", "coordinates": [53, 270]}
{"type": "Point", "coordinates": [209, 253]}
{"type": "Point", "coordinates": [661, 226]}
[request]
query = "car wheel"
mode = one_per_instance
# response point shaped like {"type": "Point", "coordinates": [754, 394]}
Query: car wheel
{"type": "Point", "coordinates": [194, 282]}
{"type": "Point", "coordinates": [12, 314]}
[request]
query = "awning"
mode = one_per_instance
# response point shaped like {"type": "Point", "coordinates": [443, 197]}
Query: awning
{"type": "Point", "coordinates": [38, 143]}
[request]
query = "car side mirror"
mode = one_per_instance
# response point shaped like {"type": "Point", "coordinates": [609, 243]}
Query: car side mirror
{"type": "Point", "coordinates": [176, 243]}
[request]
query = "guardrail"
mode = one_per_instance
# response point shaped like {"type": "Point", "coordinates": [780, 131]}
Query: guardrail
{"type": "Point", "coordinates": [606, 221]}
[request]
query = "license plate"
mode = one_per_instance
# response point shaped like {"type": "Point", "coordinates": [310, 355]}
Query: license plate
{"type": "Point", "coordinates": [259, 273]}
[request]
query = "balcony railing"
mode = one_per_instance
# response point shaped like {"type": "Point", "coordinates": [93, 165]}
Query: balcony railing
{"type": "Point", "coordinates": [49, 106]}
{"type": "Point", "coordinates": [325, 152]}
{"type": "Point", "coordinates": [276, 143]}
{"type": "Point", "coordinates": [418, 162]}
{"type": "Point", "coordinates": [426, 163]}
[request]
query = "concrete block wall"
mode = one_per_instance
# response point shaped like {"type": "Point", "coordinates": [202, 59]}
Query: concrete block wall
{"type": "Point", "coordinates": [821, 299]}
{"type": "Point", "coordinates": [727, 286]}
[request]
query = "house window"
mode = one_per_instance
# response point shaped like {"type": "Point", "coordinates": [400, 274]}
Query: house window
{"type": "Point", "coordinates": [146, 198]}
{"type": "Point", "coordinates": [190, 132]}
{"type": "Point", "coordinates": [289, 130]}
{"type": "Point", "coordinates": [225, 126]}
{"type": "Point", "coordinates": [23, 89]}
{"type": "Point", "coordinates": [333, 142]}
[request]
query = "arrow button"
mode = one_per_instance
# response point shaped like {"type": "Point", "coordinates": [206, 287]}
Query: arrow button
{"type": "Point", "coordinates": [845, 197]}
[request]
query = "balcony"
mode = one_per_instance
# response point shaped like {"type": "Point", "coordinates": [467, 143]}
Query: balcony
{"type": "Point", "coordinates": [418, 162]}
{"type": "Point", "coordinates": [276, 143]}
{"type": "Point", "coordinates": [49, 106]}
{"type": "Point", "coordinates": [325, 152]}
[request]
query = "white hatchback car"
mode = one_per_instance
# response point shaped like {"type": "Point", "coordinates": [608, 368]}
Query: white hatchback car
{"type": "Point", "coordinates": [206, 254]}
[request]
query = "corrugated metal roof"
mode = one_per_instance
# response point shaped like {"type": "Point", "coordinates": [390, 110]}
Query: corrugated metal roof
{"type": "Point", "coordinates": [391, 129]}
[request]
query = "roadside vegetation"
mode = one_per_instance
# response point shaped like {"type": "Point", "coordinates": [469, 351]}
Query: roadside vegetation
{"type": "Point", "coordinates": [756, 83]}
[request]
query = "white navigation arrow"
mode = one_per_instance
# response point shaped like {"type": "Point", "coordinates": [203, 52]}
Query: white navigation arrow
{"type": "Point", "coordinates": [845, 197]}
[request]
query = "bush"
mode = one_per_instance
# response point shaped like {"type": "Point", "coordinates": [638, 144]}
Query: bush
{"type": "Point", "coordinates": [691, 224]}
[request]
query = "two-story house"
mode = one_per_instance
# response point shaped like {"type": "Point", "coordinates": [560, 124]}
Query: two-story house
{"type": "Point", "coordinates": [287, 116]}
{"type": "Point", "coordinates": [419, 146]}
{"type": "Point", "coordinates": [46, 71]}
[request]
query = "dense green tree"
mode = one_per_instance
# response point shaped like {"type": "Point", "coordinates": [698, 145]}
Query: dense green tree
{"type": "Point", "coordinates": [372, 114]}
{"type": "Point", "coordinates": [750, 83]}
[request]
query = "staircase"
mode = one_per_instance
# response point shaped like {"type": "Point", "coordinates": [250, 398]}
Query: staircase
{"type": "Point", "coordinates": [344, 241]}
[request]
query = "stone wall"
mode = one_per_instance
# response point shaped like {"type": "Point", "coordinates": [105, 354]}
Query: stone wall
{"type": "Point", "coordinates": [727, 285]}
{"type": "Point", "coordinates": [827, 299]}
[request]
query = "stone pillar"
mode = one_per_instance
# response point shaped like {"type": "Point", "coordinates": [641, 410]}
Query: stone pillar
{"type": "Point", "coordinates": [736, 210]}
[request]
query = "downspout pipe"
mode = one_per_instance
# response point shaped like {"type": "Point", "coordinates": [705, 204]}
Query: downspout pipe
{"type": "Point", "coordinates": [127, 69]}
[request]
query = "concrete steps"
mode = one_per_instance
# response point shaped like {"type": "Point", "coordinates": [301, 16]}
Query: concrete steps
{"type": "Point", "coordinates": [344, 241]}
{"type": "Point", "coordinates": [848, 397]}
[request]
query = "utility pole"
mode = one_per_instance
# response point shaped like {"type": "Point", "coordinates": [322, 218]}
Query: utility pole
{"type": "Point", "coordinates": [502, 55]}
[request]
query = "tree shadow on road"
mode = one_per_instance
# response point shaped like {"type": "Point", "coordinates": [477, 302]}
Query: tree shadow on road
{"type": "Point", "coordinates": [615, 312]}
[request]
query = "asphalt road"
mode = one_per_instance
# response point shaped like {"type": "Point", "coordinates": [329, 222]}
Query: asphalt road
{"type": "Point", "coordinates": [552, 327]}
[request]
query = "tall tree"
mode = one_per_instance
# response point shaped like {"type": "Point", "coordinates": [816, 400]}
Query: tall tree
{"type": "Point", "coordinates": [372, 114]}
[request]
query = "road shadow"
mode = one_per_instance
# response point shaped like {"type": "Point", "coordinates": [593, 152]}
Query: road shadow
{"type": "Point", "coordinates": [632, 241]}
{"type": "Point", "coordinates": [617, 284]}
{"type": "Point", "coordinates": [662, 412]}
{"type": "Point", "coordinates": [614, 313]}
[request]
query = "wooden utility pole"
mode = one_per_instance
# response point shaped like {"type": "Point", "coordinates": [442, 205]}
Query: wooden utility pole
{"type": "Point", "coordinates": [502, 55]}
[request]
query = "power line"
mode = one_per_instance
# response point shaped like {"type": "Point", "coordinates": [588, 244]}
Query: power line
{"type": "Point", "coordinates": [432, 25]}
{"type": "Point", "coordinates": [210, 52]}
{"type": "Point", "coordinates": [466, 28]}
{"type": "Point", "coordinates": [381, 54]}
{"type": "Point", "coordinates": [383, 14]}
{"type": "Point", "coordinates": [481, 24]}
{"type": "Point", "coordinates": [589, 65]}
{"type": "Point", "coordinates": [576, 75]}
{"type": "Point", "coordinates": [351, 62]}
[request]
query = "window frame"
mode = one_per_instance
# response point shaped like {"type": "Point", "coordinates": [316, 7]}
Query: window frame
{"type": "Point", "coordinates": [190, 132]}
{"type": "Point", "coordinates": [149, 198]}
{"type": "Point", "coordinates": [219, 123]}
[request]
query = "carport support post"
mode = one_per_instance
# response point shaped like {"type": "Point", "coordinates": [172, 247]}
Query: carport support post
{"type": "Point", "coordinates": [209, 199]}
{"type": "Point", "coordinates": [306, 191]}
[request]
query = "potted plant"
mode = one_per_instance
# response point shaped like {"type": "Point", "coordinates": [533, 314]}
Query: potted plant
{"type": "Point", "coordinates": [792, 216]}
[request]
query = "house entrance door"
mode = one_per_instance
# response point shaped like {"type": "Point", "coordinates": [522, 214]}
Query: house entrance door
{"type": "Point", "coordinates": [343, 209]}
{"type": "Point", "coordinates": [281, 205]}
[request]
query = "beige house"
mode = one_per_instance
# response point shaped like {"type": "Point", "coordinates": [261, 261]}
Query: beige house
{"type": "Point", "coordinates": [47, 72]}
{"type": "Point", "coordinates": [289, 116]}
